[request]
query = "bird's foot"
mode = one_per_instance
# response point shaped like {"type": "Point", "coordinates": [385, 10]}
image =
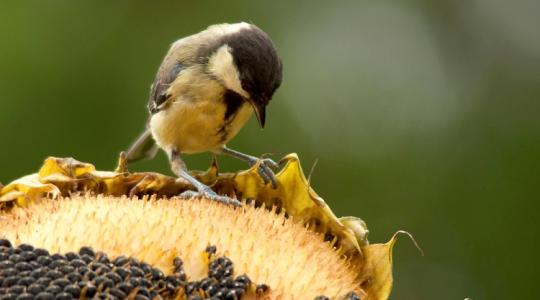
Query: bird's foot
{"type": "Point", "coordinates": [266, 169]}
{"type": "Point", "coordinates": [266, 166]}
{"type": "Point", "coordinates": [209, 194]}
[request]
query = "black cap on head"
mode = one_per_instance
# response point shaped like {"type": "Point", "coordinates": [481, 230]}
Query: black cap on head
{"type": "Point", "coordinates": [258, 64]}
{"type": "Point", "coordinates": [259, 67]}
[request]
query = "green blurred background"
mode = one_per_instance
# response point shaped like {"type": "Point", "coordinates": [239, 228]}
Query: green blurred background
{"type": "Point", "coordinates": [424, 115]}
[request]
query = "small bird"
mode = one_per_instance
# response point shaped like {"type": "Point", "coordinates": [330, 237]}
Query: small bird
{"type": "Point", "coordinates": [206, 89]}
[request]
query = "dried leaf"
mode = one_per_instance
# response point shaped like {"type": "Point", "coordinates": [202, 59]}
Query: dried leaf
{"type": "Point", "coordinates": [376, 276]}
{"type": "Point", "coordinates": [298, 199]}
{"type": "Point", "coordinates": [65, 166]}
{"type": "Point", "coordinates": [27, 189]}
{"type": "Point", "coordinates": [358, 227]}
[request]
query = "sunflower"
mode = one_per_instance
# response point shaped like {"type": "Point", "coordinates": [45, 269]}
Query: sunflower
{"type": "Point", "coordinates": [282, 243]}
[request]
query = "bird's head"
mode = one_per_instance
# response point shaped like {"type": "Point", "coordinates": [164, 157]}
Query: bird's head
{"type": "Point", "coordinates": [244, 59]}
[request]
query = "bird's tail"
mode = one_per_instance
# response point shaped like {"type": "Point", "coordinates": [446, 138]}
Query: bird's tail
{"type": "Point", "coordinates": [143, 148]}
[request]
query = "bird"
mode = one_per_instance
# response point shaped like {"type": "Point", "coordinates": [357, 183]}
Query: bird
{"type": "Point", "coordinates": [205, 90]}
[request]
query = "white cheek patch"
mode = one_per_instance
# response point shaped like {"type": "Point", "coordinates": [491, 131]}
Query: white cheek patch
{"type": "Point", "coordinates": [222, 66]}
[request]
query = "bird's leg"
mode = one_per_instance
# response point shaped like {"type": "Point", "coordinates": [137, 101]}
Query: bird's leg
{"type": "Point", "coordinates": [179, 168]}
{"type": "Point", "coordinates": [266, 166]}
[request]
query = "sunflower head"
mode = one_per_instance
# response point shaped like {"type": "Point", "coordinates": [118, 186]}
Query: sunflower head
{"type": "Point", "coordinates": [286, 240]}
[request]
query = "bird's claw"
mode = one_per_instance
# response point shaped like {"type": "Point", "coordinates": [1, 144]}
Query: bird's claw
{"type": "Point", "coordinates": [266, 170]}
{"type": "Point", "coordinates": [210, 195]}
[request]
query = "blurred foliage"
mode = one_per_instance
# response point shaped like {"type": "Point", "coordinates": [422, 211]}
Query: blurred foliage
{"type": "Point", "coordinates": [424, 115]}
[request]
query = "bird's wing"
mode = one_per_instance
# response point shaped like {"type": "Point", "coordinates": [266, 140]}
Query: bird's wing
{"type": "Point", "coordinates": [166, 74]}
{"type": "Point", "coordinates": [144, 148]}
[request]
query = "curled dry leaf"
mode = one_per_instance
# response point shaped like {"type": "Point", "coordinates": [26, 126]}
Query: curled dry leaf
{"type": "Point", "coordinates": [26, 189]}
{"type": "Point", "coordinates": [293, 196]}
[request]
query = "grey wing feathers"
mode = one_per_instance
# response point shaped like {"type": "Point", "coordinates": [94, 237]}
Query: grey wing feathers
{"type": "Point", "coordinates": [144, 148]}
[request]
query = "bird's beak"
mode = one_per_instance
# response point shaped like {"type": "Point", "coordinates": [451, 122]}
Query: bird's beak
{"type": "Point", "coordinates": [260, 112]}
